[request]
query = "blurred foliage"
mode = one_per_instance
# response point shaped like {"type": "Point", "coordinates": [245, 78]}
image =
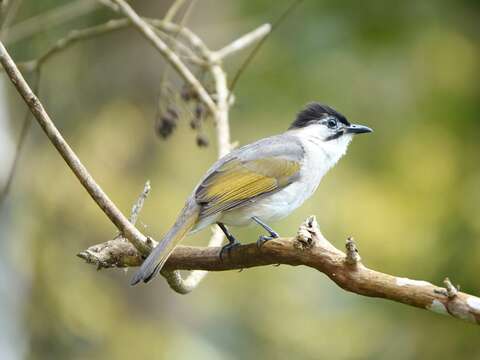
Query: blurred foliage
{"type": "Point", "coordinates": [409, 193]}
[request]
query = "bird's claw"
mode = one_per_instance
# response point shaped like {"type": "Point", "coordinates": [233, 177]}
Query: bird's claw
{"type": "Point", "coordinates": [262, 239]}
{"type": "Point", "coordinates": [227, 248]}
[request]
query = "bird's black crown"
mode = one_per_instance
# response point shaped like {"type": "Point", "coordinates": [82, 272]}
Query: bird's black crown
{"type": "Point", "coordinates": [315, 111]}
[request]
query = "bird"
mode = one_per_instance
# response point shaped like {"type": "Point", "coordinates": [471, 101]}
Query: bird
{"type": "Point", "coordinates": [260, 182]}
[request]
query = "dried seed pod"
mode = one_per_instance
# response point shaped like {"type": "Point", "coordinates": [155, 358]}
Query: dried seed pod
{"type": "Point", "coordinates": [199, 111]}
{"type": "Point", "coordinates": [188, 93]}
{"type": "Point", "coordinates": [202, 140]}
{"type": "Point", "coordinates": [194, 124]}
{"type": "Point", "coordinates": [165, 126]}
{"type": "Point", "coordinates": [198, 116]}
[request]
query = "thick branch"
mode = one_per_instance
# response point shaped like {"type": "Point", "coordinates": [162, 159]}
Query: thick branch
{"type": "Point", "coordinates": [308, 248]}
{"type": "Point", "coordinates": [220, 112]}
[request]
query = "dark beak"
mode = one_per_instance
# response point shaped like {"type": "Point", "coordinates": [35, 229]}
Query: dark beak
{"type": "Point", "coordinates": [357, 129]}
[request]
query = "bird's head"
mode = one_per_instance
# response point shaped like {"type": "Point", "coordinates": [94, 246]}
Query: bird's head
{"type": "Point", "coordinates": [326, 124]}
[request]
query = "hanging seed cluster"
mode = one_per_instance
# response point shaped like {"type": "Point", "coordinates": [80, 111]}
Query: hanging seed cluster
{"type": "Point", "coordinates": [167, 122]}
{"type": "Point", "coordinates": [173, 108]}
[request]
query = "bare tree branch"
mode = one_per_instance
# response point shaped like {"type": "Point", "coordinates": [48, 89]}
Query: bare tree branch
{"type": "Point", "coordinates": [8, 16]}
{"type": "Point", "coordinates": [174, 279]}
{"type": "Point", "coordinates": [243, 42]}
{"type": "Point", "coordinates": [173, 10]}
{"type": "Point", "coordinates": [75, 36]}
{"type": "Point", "coordinates": [137, 207]}
{"type": "Point", "coordinates": [48, 19]}
{"type": "Point", "coordinates": [169, 55]}
{"type": "Point", "coordinates": [310, 248]}
{"type": "Point", "coordinates": [173, 42]}
{"type": "Point", "coordinates": [220, 112]}
{"type": "Point", "coordinates": [97, 194]}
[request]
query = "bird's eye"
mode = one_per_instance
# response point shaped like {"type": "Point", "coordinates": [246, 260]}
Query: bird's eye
{"type": "Point", "coordinates": [332, 124]}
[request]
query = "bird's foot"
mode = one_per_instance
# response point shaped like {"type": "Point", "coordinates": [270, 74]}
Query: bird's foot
{"type": "Point", "coordinates": [227, 248]}
{"type": "Point", "coordinates": [272, 234]}
{"type": "Point", "coordinates": [232, 242]}
{"type": "Point", "coordinates": [262, 239]}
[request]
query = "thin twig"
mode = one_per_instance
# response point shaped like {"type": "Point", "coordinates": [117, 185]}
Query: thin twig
{"type": "Point", "coordinates": [137, 207]}
{"type": "Point", "coordinates": [95, 191]}
{"type": "Point", "coordinates": [51, 18]}
{"type": "Point", "coordinates": [174, 46]}
{"type": "Point", "coordinates": [220, 111]}
{"type": "Point", "coordinates": [221, 116]}
{"type": "Point", "coordinates": [183, 51]}
{"type": "Point", "coordinates": [309, 248]}
{"type": "Point", "coordinates": [242, 42]}
{"type": "Point", "coordinates": [75, 36]}
{"type": "Point", "coordinates": [174, 278]}
{"type": "Point", "coordinates": [257, 47]}
{"type": "Point", "coordinates": [169, 55]}
{"type": "Point", "coordinates": [21, 141]}
{"type": "Point", "coordinates": [121, 244]}
{"type": "Point", "coordinates": [7, 19]}
{"type": "Point", "coordinates": [353, 257]}
{"type": "Point", "coordinates": [172, 11]}
{"type": "Point", "coordinates": [452, 291]}
{"type": "Point", "coordinates": [4, 4]}
{"type": "Point", "coordinates": [110, 4]}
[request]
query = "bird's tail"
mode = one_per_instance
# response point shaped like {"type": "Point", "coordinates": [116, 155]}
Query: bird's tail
{"type": "Point", "coordinates": [155, 261]}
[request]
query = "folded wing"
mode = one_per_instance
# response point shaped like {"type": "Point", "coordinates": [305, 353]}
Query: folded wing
{"type": "Point", "coordinates": [239, 181]}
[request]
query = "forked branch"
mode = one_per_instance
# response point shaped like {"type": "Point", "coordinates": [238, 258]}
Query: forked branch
{"type": "Point", "coordinates": [72, 160]}
{"type": "Point", "coordinates": [308, 248]}
{"type": "Point", "coordinates": [218, 106]}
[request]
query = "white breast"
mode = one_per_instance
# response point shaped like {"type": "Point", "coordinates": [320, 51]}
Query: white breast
{"type": "Point", "coordinates": [320, 156]}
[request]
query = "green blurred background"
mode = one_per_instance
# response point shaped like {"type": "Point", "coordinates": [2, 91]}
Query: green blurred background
{"type": "Point", "coordinates": [409, 193]}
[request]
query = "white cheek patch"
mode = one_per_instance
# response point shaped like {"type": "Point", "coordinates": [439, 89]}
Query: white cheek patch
{"type": "Point", "coordinates": [406, 281]}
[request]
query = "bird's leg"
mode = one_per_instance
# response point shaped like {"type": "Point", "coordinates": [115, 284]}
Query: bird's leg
{"type": "Point", "coordinates": [272, 234]}
{"type": "Point", "coordinates": [232, 242]}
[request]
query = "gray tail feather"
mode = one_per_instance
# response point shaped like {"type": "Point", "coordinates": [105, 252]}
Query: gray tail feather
{"type": "Point", "coordinates": [151, 267]}
{"type": "Point", "coordinates": [157, 258]}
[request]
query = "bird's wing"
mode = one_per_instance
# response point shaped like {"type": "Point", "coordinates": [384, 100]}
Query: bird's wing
{"type": "Point", "coordinates": [249, 173]}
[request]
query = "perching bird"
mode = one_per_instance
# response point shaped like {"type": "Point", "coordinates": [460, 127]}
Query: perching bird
{"type": "Point", "coordinates": [260, 182]}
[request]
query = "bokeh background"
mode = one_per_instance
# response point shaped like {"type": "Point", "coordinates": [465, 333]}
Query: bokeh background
{"type": "Point", "coordinates": [409, 193]}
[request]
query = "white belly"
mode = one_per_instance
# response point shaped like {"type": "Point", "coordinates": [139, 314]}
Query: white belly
{"type": "Point", "coordinates": [275, 206]}
{"type": "Point", "coordinates": [319, 158]}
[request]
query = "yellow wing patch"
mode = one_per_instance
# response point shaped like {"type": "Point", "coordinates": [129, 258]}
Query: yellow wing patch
{"type": "Point", "coordinates": [236, 182]}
